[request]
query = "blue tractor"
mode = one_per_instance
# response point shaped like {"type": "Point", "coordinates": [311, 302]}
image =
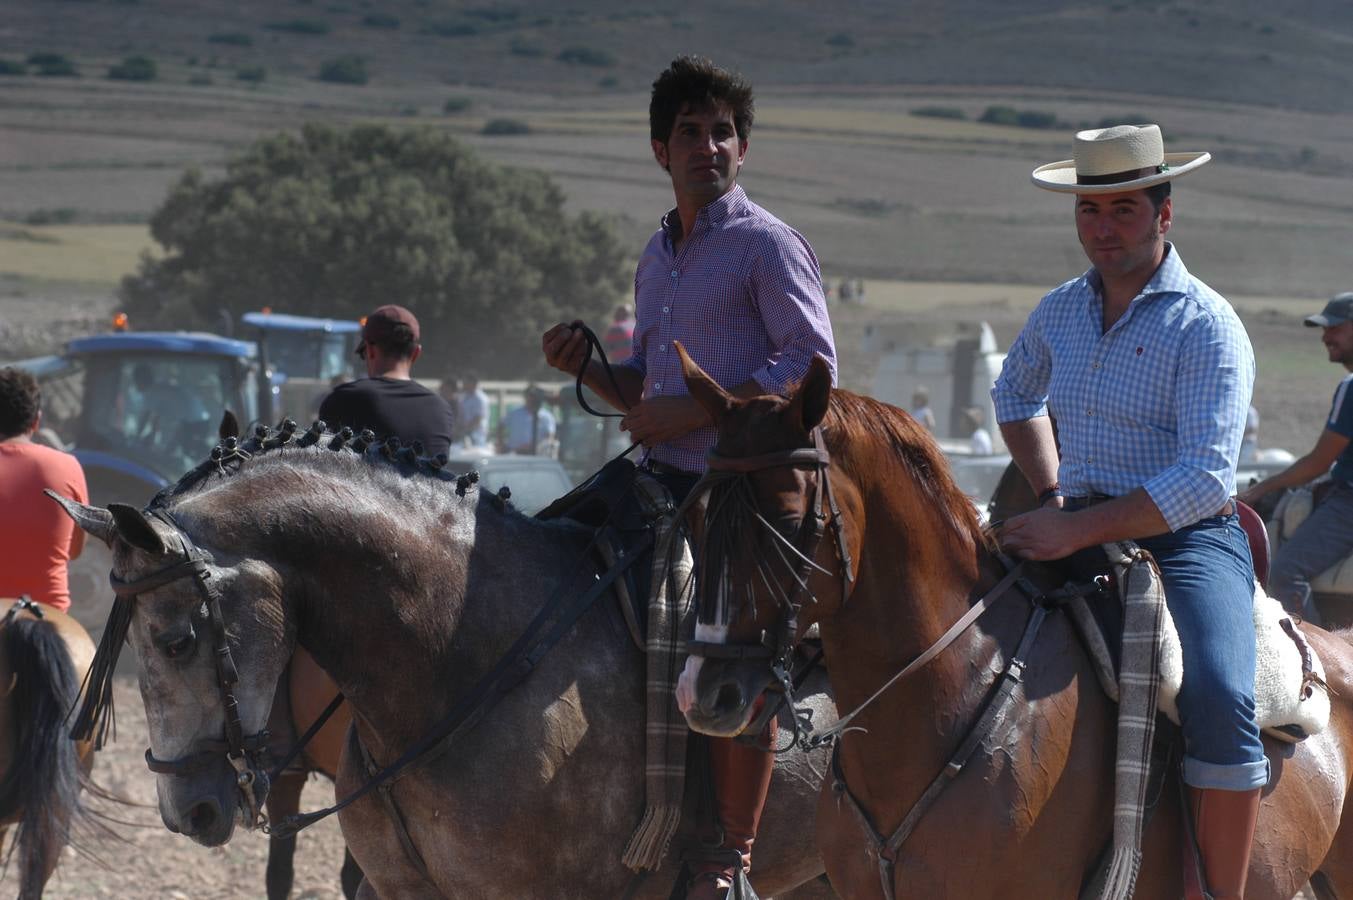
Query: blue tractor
{"type": "Point", "coordinates": [306, 356]}
{"type": "Point", "coordinates": [138, 409]}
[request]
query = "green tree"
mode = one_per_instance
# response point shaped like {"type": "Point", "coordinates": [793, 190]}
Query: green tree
{"type": "Point", "coordinates": [333, 222]}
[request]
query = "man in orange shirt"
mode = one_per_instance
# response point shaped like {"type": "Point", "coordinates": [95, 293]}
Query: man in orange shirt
{"type": "Point", "coordinates": [38, 538]}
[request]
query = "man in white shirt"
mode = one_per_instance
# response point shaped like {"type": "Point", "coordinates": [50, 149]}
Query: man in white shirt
{"type": "Point", "coordinates": [529, 426]}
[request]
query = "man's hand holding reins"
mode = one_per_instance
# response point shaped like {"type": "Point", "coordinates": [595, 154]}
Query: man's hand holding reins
{"type": "Point", "coordinates": [565, 349]}
{"type": "Point", "coordinates": [661, 419]}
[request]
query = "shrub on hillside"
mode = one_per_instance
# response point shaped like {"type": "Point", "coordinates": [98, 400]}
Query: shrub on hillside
{"type": "Point", "coordinates": [346, 69]}
{"type": "Point", "coordinates": [300, 26]}
{"type": "Point", "coordinates": [320, 220]}
{"type": "Point", "coordinates": [939, 112]}
{"type": "Point", "coordinates": [252, 74]}
{"type": "Point", "coordinates": [586, 56]}
{"type": "Point", "coordinates": [380, 20]}
{"type": "Point", "coordinates": [449, 28]}
{"type": "Point", "coordinates": [134, 68]}
{"type": "Point", "coordinates": [454, 105]}
{"type": "Point", "coordinates": [53, 65]}
{"type": "Point", "coordinates": [522, 47]}
{"type": "Point", "coordinates": [61, 216]}
{"type": "Point", "coordinates": [234, 38]}
{"type": "Point", "coordinates": [505, 126]}
{"type": "Point", "coordinates": [1019, 118]}
{"type": "Point", "coordinates": [12, 67]}
{"type": "Point", "coordinates": [841, 39]}
{"type": "Point", "coordinates": [1130, 119]}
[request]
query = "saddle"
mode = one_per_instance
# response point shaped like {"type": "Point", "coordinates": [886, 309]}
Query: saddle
{"type": "Point", "coordinates": [1287, 671]}
{"type": "Point", "coordinates": [621, 504]}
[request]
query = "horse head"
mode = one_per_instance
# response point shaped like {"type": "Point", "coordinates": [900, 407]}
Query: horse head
{"type": "Point", "coordinates": [212, 636]}
{"type": "Point", "coordinates": [772, 551]}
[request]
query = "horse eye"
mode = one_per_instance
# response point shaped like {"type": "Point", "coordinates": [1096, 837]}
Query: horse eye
{"type": "Point", "coordinates": [177, 647]}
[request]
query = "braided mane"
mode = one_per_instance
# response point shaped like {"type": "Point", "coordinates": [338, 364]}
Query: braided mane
{"type": "Point", "coordinates": [231, 454]}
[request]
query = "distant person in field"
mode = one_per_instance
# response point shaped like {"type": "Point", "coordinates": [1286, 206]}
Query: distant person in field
{"type": "Point", "coordinates": [388, 401]}
{"type": "Point", "coordinates": [530, 425]}
{"type": "Point", "coordinates": [1149, 374]}
{"type": "Point", "coordinates": [742, 291]}
{"type": "Point", "coordinates": [472, 412]}
{"type": "Point", "coordinates": [1327, 535]}
{"type": "Point", "coordinates": [920, 408]}
{"type": "Point", "coordinates": [979, 439]}
{"type": "Point", "coordinates": [620, 336]}
{"type": "Point", "coordinates": [38, 538]}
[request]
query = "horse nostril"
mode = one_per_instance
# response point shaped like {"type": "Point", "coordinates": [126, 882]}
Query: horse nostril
{"type": "Point", "coordinates": [728, 698]}
{"type": "Point", "coordinates": [203, 816]}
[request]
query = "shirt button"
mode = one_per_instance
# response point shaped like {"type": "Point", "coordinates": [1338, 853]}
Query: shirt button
{"type": "Point", "coordinates": [663, 348]}
{"type": "Point", "coordinates": [658, 386]}
{"type": "Point", "coordinates": [1089, 459]}
{"type": "Point", "coordinates": [1089, 412]}
{"type": "Point", "coordinates": [674, 273]}
{"type": "Point", "coordinates": [1095, 365]}
{"type": "Point", "coordinates": [666, 309]}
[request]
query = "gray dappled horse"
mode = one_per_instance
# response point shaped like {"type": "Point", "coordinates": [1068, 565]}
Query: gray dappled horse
{"type": "Point", "coordinates": [406, 591]}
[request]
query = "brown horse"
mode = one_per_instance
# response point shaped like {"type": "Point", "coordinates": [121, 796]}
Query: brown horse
{"type": "Point", "coordinates": [42, 771]}
{"type": "Point", "coordinates": [308, 693]}
{"type": "Point", "coordinates": [408, 586]}
{"type": "Point", "coordinates": [1031, 811]}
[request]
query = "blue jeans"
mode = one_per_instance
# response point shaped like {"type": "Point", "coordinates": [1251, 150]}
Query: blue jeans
{"type": "Point", "coordinates": [1209, 589]}
{"type": "Point", "coordinates": [1325, 538]}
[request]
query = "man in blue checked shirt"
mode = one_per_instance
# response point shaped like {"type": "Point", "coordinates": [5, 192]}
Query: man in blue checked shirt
{"type": "Point", "coordinates": [1147, 374]}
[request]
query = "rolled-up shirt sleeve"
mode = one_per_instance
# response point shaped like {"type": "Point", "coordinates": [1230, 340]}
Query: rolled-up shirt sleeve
{"type": "Point", "coordinates": [1213, 387]}
{"type": "Point", "coordinates": [1021, 390]}
{"type": "Point", "coordinates": [786, 286]}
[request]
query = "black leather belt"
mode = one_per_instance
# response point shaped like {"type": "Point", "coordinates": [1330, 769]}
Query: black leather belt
{"type": "Point", "coordinates": [1073, 503]}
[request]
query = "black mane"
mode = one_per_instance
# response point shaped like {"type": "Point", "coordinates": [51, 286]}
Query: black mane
{"type": "Point", "coordinates": [232, 454]}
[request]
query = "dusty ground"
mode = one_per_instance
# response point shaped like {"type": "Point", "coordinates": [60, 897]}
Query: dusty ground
{"type": "Point", "coordinates": [145, 860]}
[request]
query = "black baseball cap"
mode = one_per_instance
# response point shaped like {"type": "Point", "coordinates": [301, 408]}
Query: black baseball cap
{"type": "Point", "coordinates": [1339, 309]}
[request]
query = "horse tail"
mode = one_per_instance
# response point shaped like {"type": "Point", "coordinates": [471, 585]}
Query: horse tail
{"type": "Point", "coordinates": [42, 786]}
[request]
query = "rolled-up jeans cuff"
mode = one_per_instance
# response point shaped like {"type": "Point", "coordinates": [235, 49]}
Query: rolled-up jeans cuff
{"type": "Point", "coordinates": [1237, 777]}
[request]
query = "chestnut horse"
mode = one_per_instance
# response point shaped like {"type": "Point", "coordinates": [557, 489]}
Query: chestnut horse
{"type": "Point", "coordinates": [43, 657]}
{"type": "Point", "coordinates": [308, 693]}
{"type": "Point", "coordinates": [1030, 813]}
{"type": "Point", "coordinates": [408, 586]}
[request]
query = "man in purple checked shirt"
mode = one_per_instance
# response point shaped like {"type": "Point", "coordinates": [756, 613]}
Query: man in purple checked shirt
{"type": "Point", "coordinates": [743, 293]}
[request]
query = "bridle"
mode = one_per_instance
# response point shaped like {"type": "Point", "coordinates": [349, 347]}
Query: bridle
{"type": "Point", "coordinates": [726, 481]}
{"type": "Point", "coordinates": [241, 751]}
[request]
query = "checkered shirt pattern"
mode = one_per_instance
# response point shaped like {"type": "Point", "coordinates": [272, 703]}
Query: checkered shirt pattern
{"type": "Point", "coordinates": [744, 297]}
{"type": "Point", "coordinates": [1159, 401]}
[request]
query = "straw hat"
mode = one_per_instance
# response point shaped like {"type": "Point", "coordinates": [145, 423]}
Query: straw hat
{"type": "Point", "coordinates": [1121, 158]}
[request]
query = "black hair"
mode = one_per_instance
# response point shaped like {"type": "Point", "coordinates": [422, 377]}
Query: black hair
{"type": "Point", "coordinates": [695, 82]}
{"type": "Point", "coordinates": [20, 401]}
{"type": "Point", "coordinates": [1158, 193]}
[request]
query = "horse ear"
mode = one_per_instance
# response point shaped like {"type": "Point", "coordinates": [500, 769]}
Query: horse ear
{"type": "Point", "coordinates": [93, 520]}
{"type": "Point", "coordinates": [810, 401]}
{"type": "Point", "coordinates": [229, 427]}
{"type": "Point", "coordinates": [135, 528]}
{"type": "Point", "coordinates": [706, 391]}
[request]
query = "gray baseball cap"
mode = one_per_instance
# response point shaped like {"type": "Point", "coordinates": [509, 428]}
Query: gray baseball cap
{"type": "Point", "coordinates": [1339, 309]}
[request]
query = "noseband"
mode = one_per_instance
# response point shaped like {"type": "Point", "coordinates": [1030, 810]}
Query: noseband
{"type": "Point", "coordinates": [725, 469]}
{"type": "Point", "coordinates": [239, 749]}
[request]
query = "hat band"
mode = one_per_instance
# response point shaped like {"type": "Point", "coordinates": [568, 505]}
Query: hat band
{"type": "Point", "coordinates": [1121, 177]}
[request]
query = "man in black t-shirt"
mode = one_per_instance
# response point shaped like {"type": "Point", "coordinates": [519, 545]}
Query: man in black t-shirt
{"type": "Point", "coordinates": [388, 400]}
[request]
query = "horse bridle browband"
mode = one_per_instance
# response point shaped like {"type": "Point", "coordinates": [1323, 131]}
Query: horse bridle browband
{"type": "Point", "coordinates": [240, 750]}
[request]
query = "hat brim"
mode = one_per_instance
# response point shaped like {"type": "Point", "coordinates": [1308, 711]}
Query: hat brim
{"type": "Point", "coordinates": [1324, 321]}
{"type": "Point", "coordinates": [1061, 176]}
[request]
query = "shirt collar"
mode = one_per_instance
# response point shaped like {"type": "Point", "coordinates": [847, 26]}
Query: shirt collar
{"type": "Point", "coordinates": [712, 214]}
{"type": "Point", "coordinates": [1170, 277]}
